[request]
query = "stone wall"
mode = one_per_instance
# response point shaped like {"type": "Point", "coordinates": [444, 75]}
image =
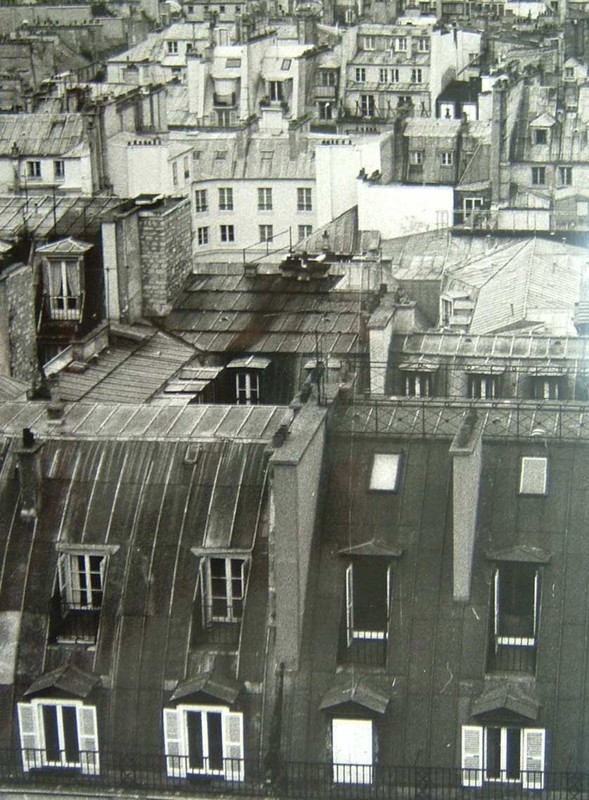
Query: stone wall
{"type": "Point", "coordinates": [18, 351]}
{"type": "Point", "coordinates": [166, 241]}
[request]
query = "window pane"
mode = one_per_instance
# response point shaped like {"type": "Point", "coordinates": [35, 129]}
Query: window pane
{"type": "Point", "coordinates": [215, 735]}
{"type": "Point", "coordinates": [513, 755]}
{"type": "Point", "coordinates": [50, 728]}
{"type": "Point", "coordinates": [533, 475]}
{"type": "Point", "coordinates": [493, 752]}
{"type": "Point", "coordinates": [385, 472]}
{"type": "Point", "coordinates": [195, 743]}
{"type": "Point", "coordinates": [370, 595]}
{"type": "Point", "coordinates": [70, 734]}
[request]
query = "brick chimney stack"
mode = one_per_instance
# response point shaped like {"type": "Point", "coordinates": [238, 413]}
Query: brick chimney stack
{"type": "Point", "coordinates": [30, 474]}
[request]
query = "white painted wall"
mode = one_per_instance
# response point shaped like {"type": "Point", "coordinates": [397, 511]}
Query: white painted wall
{"type": "Point", "coordinates": [397, 210]}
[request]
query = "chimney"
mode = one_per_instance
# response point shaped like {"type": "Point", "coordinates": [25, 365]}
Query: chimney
{"type": "Point", "coordinates": [30, 474]}
{"type": "Point", "coordinates": [466, 451]}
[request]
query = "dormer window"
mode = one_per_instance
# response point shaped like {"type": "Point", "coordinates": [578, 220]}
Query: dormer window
{"type": "Point", "coordinates": [385, 472]}
{"type": "Point", "coordinates": [172, 48]}
{"type": "Point", "coordinates": [223, 589]}
{"type": "Point", "coordinates": [233, 63]}
{"type": "Point", "coordinates": [533, 476]}
{"type": "Point", "coordinates": [540, 136]}
{"type": "Point", "coordinates": [62, 266]}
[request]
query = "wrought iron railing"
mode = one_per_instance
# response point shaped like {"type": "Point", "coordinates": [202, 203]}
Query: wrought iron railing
{"type": "Point", "coordinates": [140, 772]}
{"type": "Point", "coordinates": [72, 623]}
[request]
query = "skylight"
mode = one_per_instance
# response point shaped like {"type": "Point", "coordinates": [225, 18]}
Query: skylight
{"type": "Point", "coordinates": [385, 472]}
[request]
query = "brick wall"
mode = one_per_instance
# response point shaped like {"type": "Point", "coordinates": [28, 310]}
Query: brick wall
{"type": "Point", "coordinates": [18, 348]}
{"type": "Point", "coordinates": [166, 242]}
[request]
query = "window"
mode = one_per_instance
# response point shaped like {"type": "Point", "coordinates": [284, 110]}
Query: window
{"type": "Point", "coordinates": [286, 62]}
{"type": "Point", "coordinates": [266, 233]}
{"type": "Point", "coordinates": [416, 75]}
{"type": "Point", "coordinates": [203, 235]}
{"type": "Point", "coordinates": [565, 176]}
{"type": "Point", "coordinates": [186, 166]}
{"type": "Point", "coordinates": [540, 136]}
{"type": "Point", "coordinates": [418, 384]}
{"type": "Point", "coordinates": [220, 155]}
{"type": "Point", "coordinates": [172, 48]}
{"type": "Point", "coordinates": [483, 387]}
{"type": "Point", "coordinates": [368, 42]}
{"type": "Point", "coordinates": [175, 173]}
{"type": "Point", "coordinates": [225, 199]}
{"type": "Point", "coordinates": [204, 740]}
{"type": "Point", "coordinates": [367, 105]}
{"type": "Point", "coordinates": [264, 199]}
{"type": "Point", "coordinates": [304, 199]}
{"type": "Point", "coordinates": [416, 158]}
{"type": "Point", "coordinates": [385, 472]}
{"type": "Point", "coordinates": [233, 63]}
{"type": "Point", "coordinates": [533, 475]}
{"type": "Point", "coordinates": [400, 43]}
{"type": "Point", "coordinates": [352, 750]}
{"type": "Point", "coordinates": [223, 589]}
{"type": "Point", "coordinates": [325, 109]}
{"type": "Point", "coordinates": [447, 158]}
{"type": "Point", "coordinates": [538, 176]}
{"type": "Point", "coordinates": [227, 233]}
{"type": "Point", "coordinates": [423, 45]}
{"type": "Point", "coordinates": [59, 170]}
{"type": "Point", "coordinates": [200, 201]}
{"type": "Point", "coordinates": [247, 388]}
{"type": "Point", "coordinates": [368, 590]}
{"type": "Point", "coordinates": [327, 77]}
{"type": "Point", "coordinates": [569, 74]}
{"type": "Point", "coordinates": [63, 287]}
{"type": "Point", "coordinates": [546, 387]}
{"type": "Point", "coordinates": [360, 74]}
{"type": "Point", "coordinates": [56, 733]}
{"type": "Point", "coordinates": [516, 596]}
{"type": "Point", "coordinates": [470, 205]}
{"type": "Point", "coordinates": [383, 75]}
{"type": "Point", "coordinates": [395, 75]}
{"type": "Point", "coordinates": [276, 91]}
{"type": "Point", "coordinates": [305, 231]}
{"type": "Point", "coordinates": [81, 580]}
{"type": "Point", "coordinates": [34, 170]}
{"type": "Point", "coordinates": [503, 754]}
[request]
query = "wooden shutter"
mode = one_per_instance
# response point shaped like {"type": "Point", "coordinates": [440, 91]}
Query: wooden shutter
{"type": "Point", "coordinates": [496, 602]}
{"type": "Point", "coordinates": [533, 758]}
{"type": "Point", "coordinates": [389, 594]}
{"type": "Point", "coordinates": [350, 603]}
{"type": "Point", "coordinates": [176, 752]}
{"type": "Point", "coordinates": [233, 746]}
{"type": "Point", "coordinates": [472, 755]}
{"type": "Point", "coordinates": [64, 577]}
{"type": "Point", "coordinates": [536, 602]}
{"type": "Point", "coordinates": [88, 740]}
{"type": "Point", "coordinates": [33, 753]}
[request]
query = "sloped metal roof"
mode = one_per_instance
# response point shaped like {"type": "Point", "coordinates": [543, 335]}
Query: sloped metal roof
{"type": "Point", "coordinates": [40, 134]}
{"type": "Point", "coordinates": [69, 679]}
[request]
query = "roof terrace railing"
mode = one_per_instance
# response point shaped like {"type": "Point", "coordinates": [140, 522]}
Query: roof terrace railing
{"type": "Point", "coordinates": [173, 776]}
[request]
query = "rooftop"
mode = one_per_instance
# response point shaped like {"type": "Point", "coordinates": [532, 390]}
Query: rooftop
{"type": "Point", "coordinates": [40, 134]}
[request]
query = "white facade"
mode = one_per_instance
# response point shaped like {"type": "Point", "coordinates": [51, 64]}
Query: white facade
{"type": "Point", "coordinates": [396, 210]}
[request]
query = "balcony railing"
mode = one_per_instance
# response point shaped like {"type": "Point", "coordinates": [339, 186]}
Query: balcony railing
{"type": "Point", "coordinates": [211, 631]}
{"type": "Point", "coordinates": [152, 772]}
{"type": "Point", "coordinates": [72, 624]}
{"type": "Point", "coordinates": [325, 92]}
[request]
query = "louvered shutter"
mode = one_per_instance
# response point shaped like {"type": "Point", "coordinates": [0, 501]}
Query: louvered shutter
{"type": "Point", "coordinates": [176, 759]}
{"type": "Point", "coordinates": [88, 740]}
{"type": "Point", "coordinates": [33, 754]}
{"type": "Point", "coordinates": [350, 603]}
{"type": "Point", "coordinates": [64, 576]}
{"type": "Point", "coordinates": [233, 746]}
{"type": "Point", "coordinates": [533, 758]}
{"type": "Point", "coordinates": [496, 601]}
{"type": "Point", "coordinates": [472, 755]}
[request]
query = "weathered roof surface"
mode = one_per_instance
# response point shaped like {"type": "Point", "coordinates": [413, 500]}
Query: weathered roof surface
{"type": "Point", "coordinates": [67, 678]}
{"type": "Point", "coordinates": [340, 235]}
{"type": "Point", "coordinates": [219, 158]}
{"type": "Point", "coordinates": [151, 422]}
{"type": "Point", "coordinates": [64, 215]}
{"type": "Point", "coordinates": [436, 128]}
{"type": "Point", "coordinates": [40, 134]}
{"type": "Point", "coordinates": [127, 372]}
{"type": "Point", "coordinates": [67, 246]}
{"type": "Point", "coordinates": [267, 314]}
{"type": "Point", "coordinates": [149, 502]}
{"type": "Point", "coordinates": [497, 348]}
{"type": "Point", "coordinates": [12, 389]}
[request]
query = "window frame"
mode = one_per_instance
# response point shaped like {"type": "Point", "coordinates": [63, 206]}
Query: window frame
{"type": "Point", "coordinates": [526, 462]}
{"type": "Point", "coordinates": [447, 158]}
{"type": "Point", "coordinates": [364, 633]}
{"type": "Point", "coordinates": [172, 47]}
{"type": "Point", "coordinates": [474, 756]}
{"type": "Point", "coordinates": [266, 232]}
{"type": "Point", "coordinates": [417, 75]}
{"type": "Point", "coordinates": [247, 388]}
{"type": "Point", "coordinates": [360, 74]}
{"type": "Point", "coordinates": [70, 584]}
{"type": "Point", "coordinates": [304, 231]}
{"type": "Point", "coordinates": [565, 176]}
{"type": "Point", "coordinates": [539, 176]}
{"type": "Point", "coordinates": [209, 593]}
{"type": "Point", "coordinates": [59, 169]}
{"type": "Point", "coordinates": [418, 384]}
{"type": "Point", "coordinates": [265, 200]}
{"type": "Point", "coordinates": [361, 769]}
{"type": "Point", "coordinates": [502, 637]}
{"type": "Point", "coordinates": [34, 171]}
{"type": "Point", "coordinates": [376, 485]}
{"type": "Point", "coordinates": [483, 386]}
{"type": "Point", "coordinates": [201, 204]}
{"type": "Point", "coordinates": [177, 744]}
{"type": "Point", "coordinates": [227, 233]}
{"type": "Point", "coordinates": [226, 198]}
{"type": "Point", "coordinates": [541, 136]}
{"type": "Point", "coordinates": [202, 234]}
{"type": "Point", "coordinates": [33, 736]}
{"type": "Point", "coordinates": [416, 158]}
{"type": "Point", "coordinates": [304, 198]}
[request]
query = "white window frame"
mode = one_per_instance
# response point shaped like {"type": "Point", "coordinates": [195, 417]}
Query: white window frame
{"type": "Point", "coordinates": [176, 742]}
{"type": "Point", "coordinates": [59, 169]}
{"type": "Point", "coordinates": [368, 43]}
{"type": "Point", "coordinates": [229, 598]}
{"type": "Point", "coordinates": [400, 44]}
{"type": "Point", "coordinates": [63, 305]}
{"type": "Point", "coordinates": [423, 45]}
{"type": "Point", "coordinates": [304, 198]}
{"type": "Point", "coordinates": [264, 198]}
{"type": "Point", "coordinates": [416, 158]}
{"type": "Point", "coordinates": [539, 484]}
{"type": "Point", "coordinates": [200, 201]}
{"type": "Point", "coordinates": [225, 198]}
{"type": "Point", "coordinates": [34, 171]}
{"type": "Point", "coordinates": [33, 741]}
{"type": "Point", "coordinates": [78, 593]}
{"type": "Point", "coordinates": [447, 158]}
{"type": "Point", "coordinates": [418, 384]}
{"type": "Point", "coordinates": [539, 176]}
{"type": "Point", "coordinates": [532, 758]}
{"type": "Point", "coordinates": [227, 233]}
{"type": "Point", "coordinates": [360, 75]}
{"type": "Point", "coordinates": [383, 75]}
{"type": "Point", "coordinates": [202, 235]}
{"type": "Point", "coordinates": [352, 764]}
{"type": "Point", "coordinates": [361, 633]}
{"type": "Point", "coordinates": [416, 75]}
{"type": "Point", "coordinates": [395, 75]}
{"type": "Point", "coordinates": [266, 232]}
{"type": "Point", "coordinates": [305, 231]}
{"type": "Point", "coordinates": [172, 47]}
{"type": "Point", "coordinates": [565, 176]}
{"type": "Point", "coordinates": [368, 105]}
{"type": "Point", "coordinates": [247, 388]}
{"type": "Point", "coordinates": [483, 386]}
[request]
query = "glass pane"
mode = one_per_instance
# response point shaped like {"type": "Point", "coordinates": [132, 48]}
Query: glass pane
{"type": "Point", "coordinates": [195, 744]}
{"type": "Point", "coordinates": [70, 734]}
{"type": "Point", "coordinates": [215, 740]}
{"type": "Point", "coordinates": [513, 753]}
{"type": "Point", "coordinates": [493, 753]}
{"type": "Point", "coordinates": [50, 729]}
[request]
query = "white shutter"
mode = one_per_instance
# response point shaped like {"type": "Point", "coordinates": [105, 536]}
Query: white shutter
{"type": "Point", "coordinates": [352, 750]}
{"type": "Point", "coordinates": [533, 758]}
{"type": "Point", "coordinates": [472, 755]}
{"type": "Point", "coordinates": [233, 746]}
{"type": "Point", "coordinates": [389, 594]}
{"type": "Point", "coordinates": [536, 602]}
{"type": "Point", "coordinates": [33, 753]}
{"type": "Point", "coordinates": [88, 739]}
{"type": "Point", "coordinates": [64, 576]}
{"type": "Point", "coordinates": [176, 754]}
{"type": "Point", "coordinates": [496, 602]}
{"type": "Point", "coordinates": [350, 603]}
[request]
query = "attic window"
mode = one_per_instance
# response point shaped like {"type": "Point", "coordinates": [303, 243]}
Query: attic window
{"type": "Point", "coordinates": [540, 136]}
{"type": "Point", "coordinates": [220, 155]}
{"type": "Point", "coordinates": [385, 472]}
{"type": "Point", "coordinates": [191, 454]}
{"type": "Point", "coordinates": [233, 63]}
{"type": "Point", "coordinates": [286, 62]}
{"type": "Point", "coordinates": [534, 474]}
